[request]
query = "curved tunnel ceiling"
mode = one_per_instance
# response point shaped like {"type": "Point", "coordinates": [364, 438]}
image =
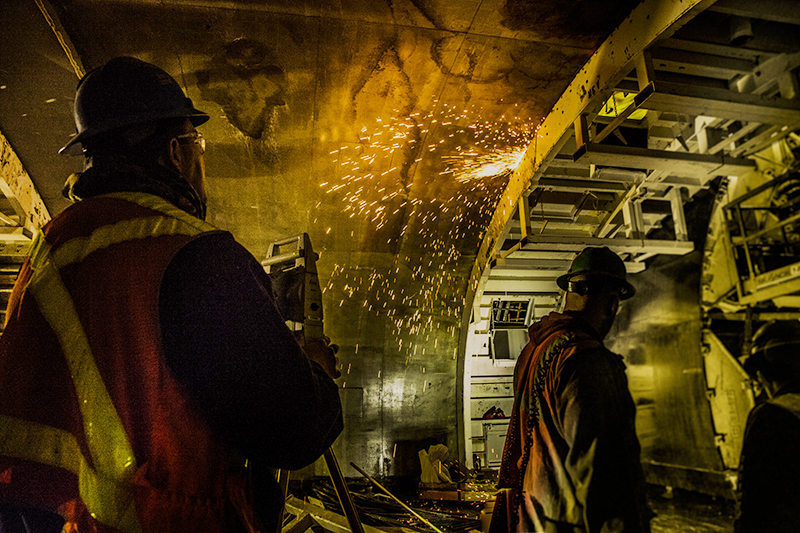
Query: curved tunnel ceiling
{"type": "Point", "coordinates": [388, 131]}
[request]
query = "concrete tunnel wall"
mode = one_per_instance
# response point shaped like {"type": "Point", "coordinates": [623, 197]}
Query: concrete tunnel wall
{"type": "Point", "coordinates": [298, 112]}
{"type": "Point", "coordinates": [296, 118]}
{"type": "Point", "coordinates": [322, 124]}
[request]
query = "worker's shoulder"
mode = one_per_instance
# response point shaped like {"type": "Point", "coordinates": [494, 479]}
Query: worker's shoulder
{"type": "Point", "coordinates": [122, 209]}
{"type": "Point", "coordinates": [768, 423]}
{"type": "Point", "coordinates": [215, 251]}
{"type": "Point", "coordinates": [580, 349]}
{"type": "Point", "coordinates": [783, 410]}
{"type": "Point", "coordinates": [571, 340]}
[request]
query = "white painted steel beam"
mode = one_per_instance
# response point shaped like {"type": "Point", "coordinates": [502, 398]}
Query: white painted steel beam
{"type": "Point", "coordinates": [545, 242]}
{"type": "Point", "coordinates": [510, 263]}
{"type": "Point", "coordinates": [530, 273]}
{"type": "Point", "coordinates": [709, 101]}
{"type": "Point", "coordinates": [634, 222]}
{"type": "Point", "coordinates": [541, 300]}
{"type": "Point", "coordinates": [607, 183]}
{"type": "Point", "coordinates": [723, 50]}
{"type": "Point", "coordinates": [520, 286]}
{"type": "Point", "coordinates": [576, 185]}
{"type": "Point", "coordinates": [701, 64]}
{"type": "Point", "coordinates": [538, 267]}
{"type": "Point", "coordinates": [605, 226]}
{"type": "Point", "coordinates": [699, 166]}
{"type": "Point", "coordinates": [678, 216]}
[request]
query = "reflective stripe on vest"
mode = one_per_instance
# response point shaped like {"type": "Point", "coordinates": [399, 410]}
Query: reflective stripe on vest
{"type": "Point", "coordinates": [106, 489]}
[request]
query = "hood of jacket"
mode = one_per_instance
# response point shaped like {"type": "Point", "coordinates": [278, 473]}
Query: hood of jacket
{"type": "Point", "coordinates": [541, 330]}
{"type": "Point", "coordinates": [117, 174]}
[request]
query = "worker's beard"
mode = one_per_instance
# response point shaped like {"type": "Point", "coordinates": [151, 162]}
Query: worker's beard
{"type": "Point", "coordinates": [115, 174]}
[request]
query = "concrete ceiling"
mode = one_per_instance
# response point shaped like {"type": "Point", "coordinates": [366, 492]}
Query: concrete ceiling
{"type": "Point", "coordinates": [367, 124]}
{"type": "Point", "coordinates": [290, 82]}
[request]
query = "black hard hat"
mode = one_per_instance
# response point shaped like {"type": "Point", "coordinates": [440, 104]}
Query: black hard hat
{"type": "Point", "coordinates": [124, 92]}
{"type": "Point", "coordinates": [602, 262]}
{"type": "Point", "coordinates": [769, 348]}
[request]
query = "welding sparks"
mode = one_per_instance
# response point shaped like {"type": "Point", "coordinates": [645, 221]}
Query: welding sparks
{"type": "Point", "coordinates": [399, 181]}
{"type": "Point", "coordinates": [473, 166]}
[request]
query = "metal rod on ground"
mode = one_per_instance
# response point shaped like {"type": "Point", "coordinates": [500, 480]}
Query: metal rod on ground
{"type": "Point", "coordinates": [282, 477]}
{"type": "Point", "coordinates": [300, 265]}
{"type": "Point", "coordinates": [345, 500]}
{"type": "Point", "coordinates": [395, 498]}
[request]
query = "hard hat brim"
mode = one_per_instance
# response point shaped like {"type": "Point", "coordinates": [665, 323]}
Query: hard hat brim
{"type": "Point", "coordinates": [196, 117]}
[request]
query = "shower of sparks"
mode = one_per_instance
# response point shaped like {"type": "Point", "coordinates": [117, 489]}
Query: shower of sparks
{"type": "Point", "coordinates": [384, 180]}
{"type": "Point", "coordinates": [469, 166]}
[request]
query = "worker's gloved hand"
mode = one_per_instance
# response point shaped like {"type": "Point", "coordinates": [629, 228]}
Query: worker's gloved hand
{"type": "Point", "coordinates": [324, 353]}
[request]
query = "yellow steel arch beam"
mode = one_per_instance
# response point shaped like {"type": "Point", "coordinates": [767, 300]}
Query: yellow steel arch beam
{"type": "Point", "coordinates": [649, 22]}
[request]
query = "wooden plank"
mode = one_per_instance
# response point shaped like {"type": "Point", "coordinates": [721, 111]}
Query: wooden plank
{"type": "Point", "coordinates": [329, 520]}
{"type": "Point", "coordinates": [18, 187]}
{"type": "Point", "coordinates": [491, 379]}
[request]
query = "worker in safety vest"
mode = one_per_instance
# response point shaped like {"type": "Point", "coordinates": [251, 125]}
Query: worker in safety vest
{"type": "Point", "coordinates": [144, 367]}
{"type": "Point", "coordinates": [769, 478]}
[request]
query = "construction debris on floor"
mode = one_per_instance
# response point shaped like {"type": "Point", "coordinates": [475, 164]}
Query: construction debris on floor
{"type": "Point", "coordinates": [461, 508]}
{"type": "Point", "coordinates": [380, 511]}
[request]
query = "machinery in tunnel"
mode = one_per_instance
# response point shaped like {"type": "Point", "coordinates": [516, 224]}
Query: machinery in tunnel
{"type": "Point", "coordinates": [765, 238]}
{"type": "Point", "coordinates": [748, 279]}
{"type": "Point", "coordinates": [683, 161]}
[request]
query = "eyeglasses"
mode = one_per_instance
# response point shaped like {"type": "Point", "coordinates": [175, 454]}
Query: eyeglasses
{"type": "Point", "coordinates": [195, 137]}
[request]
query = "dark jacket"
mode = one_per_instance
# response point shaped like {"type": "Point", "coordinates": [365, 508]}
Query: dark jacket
{"type": "Point", "coordinates": [769, 478]}
{"type": "Point", "coordinates": [204, 323]}
{"type": "Point", "coordinates": [571, 457]}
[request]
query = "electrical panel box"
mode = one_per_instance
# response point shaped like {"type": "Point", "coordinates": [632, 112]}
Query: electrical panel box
{"type": "Point", "coordinates": [510, 313]}
{"type": "Point", "coordinates": [508, 326]}
{"type": "Point", "coordinates": [494, 435]}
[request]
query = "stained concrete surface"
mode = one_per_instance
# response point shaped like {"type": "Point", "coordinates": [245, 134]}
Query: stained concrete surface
{"type": "Point", "coordinates": [349, 120]}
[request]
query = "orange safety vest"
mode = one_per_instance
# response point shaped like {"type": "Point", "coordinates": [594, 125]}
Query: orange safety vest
{"type": "Point", "coordinates": [92, 422]}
